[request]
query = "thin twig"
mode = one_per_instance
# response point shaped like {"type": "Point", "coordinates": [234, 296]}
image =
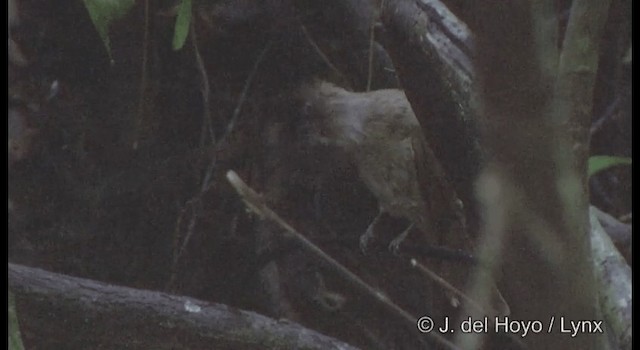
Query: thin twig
{"type": "Point", "coordinates": [446, 285]}
{"type": "Point", "coordinates": [195, 202]}
{"type": "Point", "coordinates": [207, 123]}
{"type": "Point", "coordinates": [371, 42]}
{"type": "Point", "coordinates": [319, 51]}
{"type": "Point", "coordinates": [256, 203]}
{"type": "Point", "coordinates": [470, 303]}
{"type": "Point", "coordinates": [234, 117]}
{"type": "Point", "coordinates": [142, 101]}
{"type": "Point", "coordinates": [599, 123]}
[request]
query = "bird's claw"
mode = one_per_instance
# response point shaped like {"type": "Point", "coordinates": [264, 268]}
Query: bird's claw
{"type": "Point", "coordinates": [365, 239]}
{"type": "Point", "coordinates": [394, 246]}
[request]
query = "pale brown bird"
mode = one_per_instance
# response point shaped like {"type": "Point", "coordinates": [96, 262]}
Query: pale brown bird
{"type": "Point", "coordinates": [380, 133]}
{"type": "Point", "coordinates": [382, 136]}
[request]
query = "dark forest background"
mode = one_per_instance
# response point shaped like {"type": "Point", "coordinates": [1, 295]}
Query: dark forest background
{"type": "Point", "coordinates": [117, 159]}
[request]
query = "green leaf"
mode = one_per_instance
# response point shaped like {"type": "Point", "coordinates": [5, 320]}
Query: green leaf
{"type": "Point", "coordinates": [182, 25]}
{"type": "Point", "coordinates": [599, 163]}
{"type": "Point", "coordinates": [15, 340]}
{"type": "Point", "coordinates": [103, 13]}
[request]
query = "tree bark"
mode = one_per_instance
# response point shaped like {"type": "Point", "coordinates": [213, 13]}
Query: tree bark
{"type": "Point", "coordinates": [534, 187]}
{"type": "Point", "coordinates": [62, 312]}
{"type": "Point", "coordinates": [432, 52]}
{"type": "Point", "coordinates": [614, 284]}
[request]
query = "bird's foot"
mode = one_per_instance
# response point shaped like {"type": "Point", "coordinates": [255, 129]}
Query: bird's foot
{"type": "Point", "coordinates": [368, 235]}
{"type": "Point", "coordinates": [394, 246]}
{"type": "Point", "coordinates": [365, 240]}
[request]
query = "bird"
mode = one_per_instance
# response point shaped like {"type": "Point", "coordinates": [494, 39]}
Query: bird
{"type": "Point", "coordinates": [380, 133]}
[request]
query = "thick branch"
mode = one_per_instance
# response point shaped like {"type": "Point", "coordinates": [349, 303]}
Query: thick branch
{"type": "Point", "coordinates": [432, 52]}
{"type": "Point", "coordinates": [619, 233]}
{"type": "Point", "coordinates": [59, 311]}
{"type": "Point", "coordinates": [613, 276]}
{"type": "Point", "coordinates": [537, 208]}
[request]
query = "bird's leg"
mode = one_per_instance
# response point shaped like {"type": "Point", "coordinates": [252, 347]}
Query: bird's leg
{"type": "Point", "coordinates": [394, 246]}
{"type": "Point", "coordinates": [368, 235]}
